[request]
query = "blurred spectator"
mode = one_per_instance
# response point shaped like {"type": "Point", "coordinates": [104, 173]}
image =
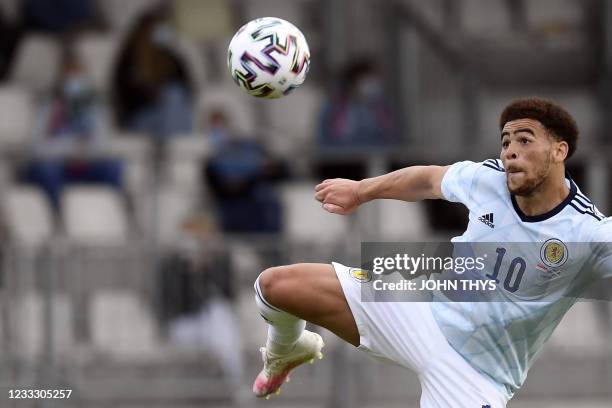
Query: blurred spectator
{"type": "Point", "coordinates": [240, 175]}
{"type": "Point", "coordinates": [358, 114]}
{"type": "Point", "coordinates": [151, 86]}
{"type": "Point", "coordinates": [58, 16]}
{"type": "Point", "coordinates": [69, 136]}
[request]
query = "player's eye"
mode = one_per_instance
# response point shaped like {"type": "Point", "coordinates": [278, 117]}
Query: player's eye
{"type": "Point", "coordinates": [505, 144]}
{"type": "Point", "coordinates": [524, 140]}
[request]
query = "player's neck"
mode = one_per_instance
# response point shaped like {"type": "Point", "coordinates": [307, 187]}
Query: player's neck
{"type": "Point", "coordinates": [547, 196]}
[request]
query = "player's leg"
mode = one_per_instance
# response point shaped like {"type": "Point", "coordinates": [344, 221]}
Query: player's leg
{"type": "Point", "coordinates": [310, 292]}
{"type": "Point", "coordinates": [287, 296]}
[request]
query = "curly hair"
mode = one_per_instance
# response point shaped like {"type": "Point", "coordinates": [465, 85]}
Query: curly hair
{"type": "Point", "coordinates": [560, 124]}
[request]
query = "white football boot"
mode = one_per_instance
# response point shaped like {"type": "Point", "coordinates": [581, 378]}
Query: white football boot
{"type": "Point", "coordinates": [277, 367]}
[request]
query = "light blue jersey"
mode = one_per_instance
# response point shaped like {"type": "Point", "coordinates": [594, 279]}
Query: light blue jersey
{"type": "Point", "coordinates": [539, 282]}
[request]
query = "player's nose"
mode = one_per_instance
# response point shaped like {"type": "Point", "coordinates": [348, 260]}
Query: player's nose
{"type": "Point", "coordinates": [510, 153]}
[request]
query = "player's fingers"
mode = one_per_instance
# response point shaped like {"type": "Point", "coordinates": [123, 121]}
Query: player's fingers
{"type": "Point", "coordinates": [322, 184]}
{"type": "Point", "coordinates": [321, 195]}
{"type": "Point", "coordinates": [333, 208]}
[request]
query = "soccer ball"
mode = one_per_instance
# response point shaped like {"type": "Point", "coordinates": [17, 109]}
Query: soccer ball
{"type": "Point", "coordinates": [268, 57]}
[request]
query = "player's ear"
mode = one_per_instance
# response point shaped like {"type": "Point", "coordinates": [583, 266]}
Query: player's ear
{"type": "Point", "coordinates": [560, 150]}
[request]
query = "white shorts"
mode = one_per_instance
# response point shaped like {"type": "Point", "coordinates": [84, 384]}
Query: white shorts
{"type": "Point", "coordinates": [407, 334]}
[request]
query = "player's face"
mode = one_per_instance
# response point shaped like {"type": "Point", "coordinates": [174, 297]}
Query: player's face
{"type": "Point", "coordinates": [526, 154]}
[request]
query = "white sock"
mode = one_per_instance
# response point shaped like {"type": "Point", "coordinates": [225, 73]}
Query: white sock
{"type": "Point", "coordinates": [284, 329]}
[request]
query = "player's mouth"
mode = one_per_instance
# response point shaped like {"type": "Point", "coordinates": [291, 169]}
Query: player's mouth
{"type": "Point", "coordinates": [514, 175]}
{"type": "Point", "coordinates": [513, 171]}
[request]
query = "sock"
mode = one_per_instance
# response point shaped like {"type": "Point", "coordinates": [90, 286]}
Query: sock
{"type": "Point", "coordinates": [284, 329]}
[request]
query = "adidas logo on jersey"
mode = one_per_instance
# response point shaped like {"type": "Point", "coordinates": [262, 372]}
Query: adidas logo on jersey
{"type": "Point", "coordinates": [487, 219]}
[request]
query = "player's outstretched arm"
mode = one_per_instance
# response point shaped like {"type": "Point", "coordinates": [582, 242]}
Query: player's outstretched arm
{"type": "Point", "coordinates": [342, 196]}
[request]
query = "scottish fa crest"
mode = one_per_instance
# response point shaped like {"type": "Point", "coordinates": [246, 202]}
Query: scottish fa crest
{"type": "Point", "coordinates": [554, 253]}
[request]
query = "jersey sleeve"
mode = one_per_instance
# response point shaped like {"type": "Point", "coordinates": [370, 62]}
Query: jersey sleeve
{"type": "Point", "coordinates": [602, 241]}
{"type": "Point", "coordinates": [457, 181]}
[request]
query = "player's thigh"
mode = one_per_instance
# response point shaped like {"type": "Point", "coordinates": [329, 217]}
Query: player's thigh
{"type": "Point", "coordinates": [311, 292]}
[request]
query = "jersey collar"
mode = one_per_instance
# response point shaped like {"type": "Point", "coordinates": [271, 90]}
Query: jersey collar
{"type": "Point", "coordinates": [551, 213]}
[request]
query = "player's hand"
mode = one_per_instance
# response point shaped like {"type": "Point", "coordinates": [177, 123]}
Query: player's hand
{"type": "Point", "coordinates": [339, 196]}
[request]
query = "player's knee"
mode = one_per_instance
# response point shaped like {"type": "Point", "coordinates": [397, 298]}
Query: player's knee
{"type": "Point", "coordinates": [273, 283]}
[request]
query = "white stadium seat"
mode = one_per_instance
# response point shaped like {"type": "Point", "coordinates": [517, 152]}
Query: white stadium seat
{"type": "Point", "coordinates": [135, 150]}
{"type": "Point", "coordinates": [305, 222]}
{"type": "Point", "coordinates": [30, 320]}
{"type": "Point", "coordinates": [27, 216]}
{"type": "Point", "coordinates": [192, 146]}
{"type": "Point", "coordinates": [16, 116]}
{"type": "Point", "coordinates": [294, 120]}
{"type": "Point", "coordinates": [94, 215]}
{"type": "Point", "coordinates": [174, 206]}
{"type": "Point", "coordinates": [98, 54]}
{"type": "Point", "coordinates": [121, 324]}
{"type": "Point", "coordinates": [402, 221]}
{"type": "Point", "coordinates": [229, 99]}
{"type": "Point", "coordinates": [37, 62]}
{"type": "Point", "coordinates": [186, 154]}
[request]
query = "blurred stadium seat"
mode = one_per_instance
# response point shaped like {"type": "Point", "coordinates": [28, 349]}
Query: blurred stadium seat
{"type": "Point", "coordinates": [136, 152]}
{"type": "Point", "coordinates": [28, 71]}
{"type": "Point", "coordinates": [185, 158]}
{"type": "Point", "coordinates": [30, 325]}
{"type": "Point", "coordinates": [229, 99]}
{"type": "Point", "coordinates": [94, 216]}
{"type": "Point", "coordinates": [98, 53]}
{"type": "Point", "coordinates": [294, 121]}
{"type": "Point", "coordinates": [16, 117]}
{"type": "Point", "coordinates": [174, 206]}
{"type": "Point", "coordinates": [121, 325]}
{"type": "Point", "coordinates": [27, 216]}
{"type": "Point", "coordinates": [305, 222]}
{"type": "Point", "coordinates": [402, 221]}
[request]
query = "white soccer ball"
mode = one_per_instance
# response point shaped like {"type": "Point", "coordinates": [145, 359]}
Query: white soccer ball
{"type": "Point", "coordinates": [268, 57]}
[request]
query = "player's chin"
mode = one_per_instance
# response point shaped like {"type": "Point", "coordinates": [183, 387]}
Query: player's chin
{"type": "Point", "coordinates": [523, 189]}
{"type": "Point", "coordinates": [517, 187]}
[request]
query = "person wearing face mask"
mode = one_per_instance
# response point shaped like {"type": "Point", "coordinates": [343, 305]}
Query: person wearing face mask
{"type": "Point", "coordinates": [69, 136]}
{"type": "Point", "coordinates": [358, 113]}
{"type": "Point", "coordinates": [151, 87]}
{"type": "Point", "coordinates": [241, 175]}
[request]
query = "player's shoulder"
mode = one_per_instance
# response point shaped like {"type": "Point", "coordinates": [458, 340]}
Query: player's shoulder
{"type": "Point", "coordinates": [583, 209]}
{"type": "Point", "coordinates": [488, 164]}
{"type": "Point", "coordinates": [467, 180]}
{"type": "Point", "coordinates": [471, 169]}
{"type": "Point", "coordinates": [495, 165]}
{"type": "Point", "coordinates": [601, 230]}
